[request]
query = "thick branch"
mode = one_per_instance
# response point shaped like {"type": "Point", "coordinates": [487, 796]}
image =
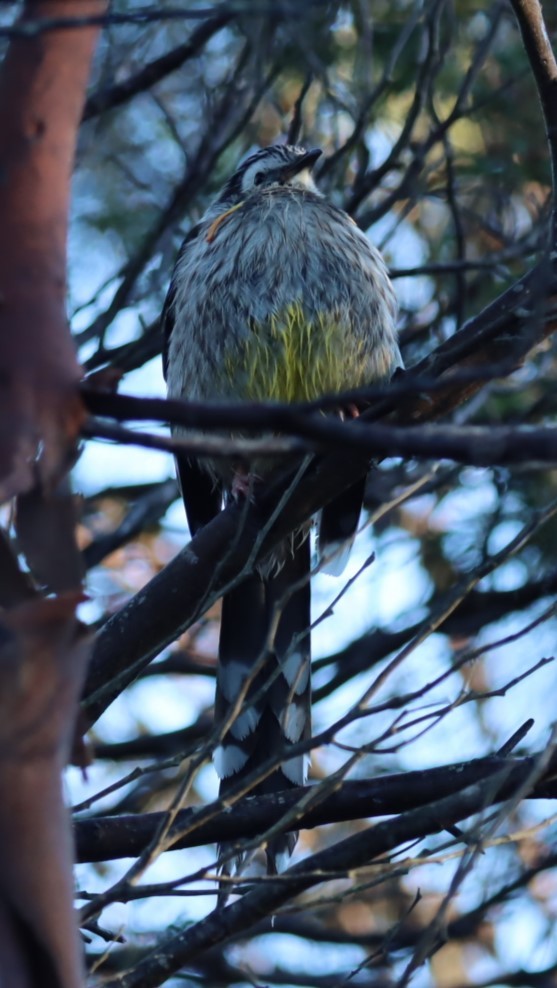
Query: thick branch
{"type": "Point", "coordinates": [42, 88]}
{"type": "Point", "coordinates": [504, 332]}
{"type": "Point", "coordinates": [342, 857]}
{"type": "Point", "coordinates": [107, 838]}
{"type": "Point", "coordinates": [529, 15]}
{"type": "Point", "coordinates": [489, 445]}
{"type": "Point", "coordinates": [120, 92]}
{"type": "Point", "coordinates": [43, 647]}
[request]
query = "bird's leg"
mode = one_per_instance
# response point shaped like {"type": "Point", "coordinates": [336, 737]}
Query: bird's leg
{"type": "Point", "coordinates": [349, 411]}
{"type": "Point", "coordinates": [242, 483]}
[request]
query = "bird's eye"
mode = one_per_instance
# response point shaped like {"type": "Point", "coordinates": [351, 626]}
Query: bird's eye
{"type": "Point", "coordinates": [258, 178]}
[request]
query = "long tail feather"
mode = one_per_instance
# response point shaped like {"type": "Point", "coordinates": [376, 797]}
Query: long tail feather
{"type": "Point", "coordinates": [266, 621]}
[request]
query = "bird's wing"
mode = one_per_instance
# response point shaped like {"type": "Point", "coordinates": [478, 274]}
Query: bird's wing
{"type": "Point", "coordinates": [167, 318]}
{"type": "Point", "coordinates": [202, 497]}
{"type": "Point", "coordinates": [337, 527]}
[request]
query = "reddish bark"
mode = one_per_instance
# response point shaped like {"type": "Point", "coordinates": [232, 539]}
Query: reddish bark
{"type": "Point", "coordinates": [43, 648]}
{"type": "Point", "coordinates": [43, 651]}
{"type": "Point", "coordinates": [42, 90]}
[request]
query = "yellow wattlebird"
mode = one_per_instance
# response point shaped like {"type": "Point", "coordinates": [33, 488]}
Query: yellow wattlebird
{"type": "Point", "coordinates": [276, 295]}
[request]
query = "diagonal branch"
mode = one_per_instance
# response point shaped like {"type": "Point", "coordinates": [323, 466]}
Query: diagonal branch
{"type": "Point", "coordinates": [110, 97]}
{"type": "Point", "coordinates": [107, 838]}
{"type": "Point", "coordinates": [504, 332]}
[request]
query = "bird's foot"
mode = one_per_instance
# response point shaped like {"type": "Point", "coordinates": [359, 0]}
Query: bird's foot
{"type": "Point", "coordinates": [242, 484]}
{"type": "Point", "coordinates": [350, 411]}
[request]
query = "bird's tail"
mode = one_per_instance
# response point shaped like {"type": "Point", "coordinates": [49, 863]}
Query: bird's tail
{"type": "Point", "coordinates": [337, 528]}
{"type": "Point", "coordinates": [266, 625]}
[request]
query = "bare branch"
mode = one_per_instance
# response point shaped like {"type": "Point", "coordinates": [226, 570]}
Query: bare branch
{"type": "Point", "coordinates": [124, 836]}
{"type": "Point", "coordinates": [529, 15]}
{"type": "Point", "coordinates": [110, 97]}
{"type": "Point", "coordinates": [343, 857]}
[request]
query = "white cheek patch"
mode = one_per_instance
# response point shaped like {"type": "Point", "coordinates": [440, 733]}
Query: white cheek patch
{"type": "Point", "coordinates": [295, 670]}
{"type": "Point", "coordinates": [302, 180]}
{"type": "Point", "coordinates": [228, 759]}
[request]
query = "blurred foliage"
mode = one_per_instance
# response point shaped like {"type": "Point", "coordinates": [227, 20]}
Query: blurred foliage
{"type": "Point", "coordinates": [434, 141]}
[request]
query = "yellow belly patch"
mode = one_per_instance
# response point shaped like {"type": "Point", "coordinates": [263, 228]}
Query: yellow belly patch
{"type": "Point", "coordinates": [289, 358]}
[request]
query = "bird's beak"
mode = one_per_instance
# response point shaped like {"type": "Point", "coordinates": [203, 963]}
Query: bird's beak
{"type": "Point", "coordinates": [304, 161]}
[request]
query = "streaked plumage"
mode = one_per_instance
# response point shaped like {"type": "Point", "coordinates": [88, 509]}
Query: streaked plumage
{"type": "Point", "coordinates": [276, 295]}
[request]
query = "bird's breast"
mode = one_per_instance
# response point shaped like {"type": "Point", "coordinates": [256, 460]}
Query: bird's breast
{"type": "Point", "coordinates": [294, 354]}
{"type": "Point", "coordinates": [281, 299]}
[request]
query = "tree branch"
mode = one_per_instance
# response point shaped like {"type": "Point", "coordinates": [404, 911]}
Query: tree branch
{"type": "Point", "coordinates": [110, 97]}
{"type": "Point", "coordinates": [107, 838]}
{"type": "Point", "coordinates": [529, 15]}
{"type": "Point", "coordinates": [505, 331]}
{"type": "Point", "coordinates": [343, 857]}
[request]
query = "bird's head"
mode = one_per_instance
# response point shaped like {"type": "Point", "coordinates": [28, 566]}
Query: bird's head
{"type": "Point", "coordinates": [283, 165]}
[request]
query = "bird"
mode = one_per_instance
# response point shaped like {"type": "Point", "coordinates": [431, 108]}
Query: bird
{"type": "Point", "coordinates": [276, 295]}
